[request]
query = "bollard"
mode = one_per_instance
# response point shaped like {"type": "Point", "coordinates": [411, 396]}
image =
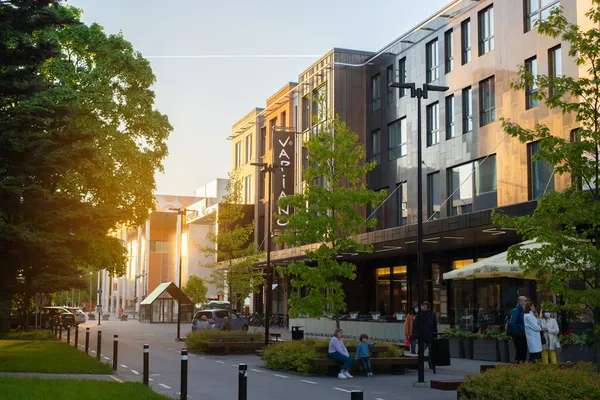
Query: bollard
{"type": "Point", "coordinates": [184, 373]}
{"type": "Point", "coordinates": [69, 335]}
{"type": "Point", "coordinates": [356, 395]}
{"type": "Point", "coordinates": [243, 382]}
{"type": "Point", "coordinates": [115, 352]}
{"type": "Point", "coordinates": [76, 344]}
{"type": "Point", "coordinates": [60, 332]}
{"type": "Point", "coordinates": [99, 345]}
{"type": "Point", "coordinates": [146, 362]}
{"type": "Point", "coordinates": [87, 340]}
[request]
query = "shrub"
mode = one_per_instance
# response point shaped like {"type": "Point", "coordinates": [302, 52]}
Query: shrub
{"type": "Point", "coordinates": [290, 356]}
{"type": "Point", "coordinates": [196, 341]}
{"type": "Point", "coordinates": [456, 333]}
{"type": "Point", "coordinates": [28, 335]}
{"type": "Point", "coordinates": [533, 381]}
{"type": "Point", "coordinates": [571, 338]}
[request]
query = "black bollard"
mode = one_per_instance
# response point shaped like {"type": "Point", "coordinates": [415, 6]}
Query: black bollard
{"type": "Point", "coordinates": [243, 382]}
{"type": "Point", "coordinates": [99, 345]}
{"type": "Point", "coordinates": [76, 344]}
{"type": "Point", "coordinates": [184, 373]}
{"type": "Point", "coordinates": [115, 352]}
{"type": "Point", "coordinates": [87, 340]}
{"type": "Point", "coordinates": [146, 364]}
{"type": "Point", "coordinates": [356, 395]}
{"type": "Point", "coordinates": [60, 332]}
{"type": "Point", "coordinates": [69, 335]}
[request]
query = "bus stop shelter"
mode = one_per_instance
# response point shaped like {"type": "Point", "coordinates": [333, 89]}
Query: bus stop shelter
{"type": "Point", "coordinates": [163, 304]}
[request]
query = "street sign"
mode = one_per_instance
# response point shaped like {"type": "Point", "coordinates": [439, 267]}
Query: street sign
{"type": "Point", "coordinates": [99, 291]}
{"type": "Point", "coordinates": [98, 305]}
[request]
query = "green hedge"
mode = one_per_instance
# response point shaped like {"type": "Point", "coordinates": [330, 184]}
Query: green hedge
{"type": "Point", "coordinates": [534, 381]}
{"type": "Point", "coordinates": [196, 340]}
{"type": "Point", "coordinates": [28, 335]}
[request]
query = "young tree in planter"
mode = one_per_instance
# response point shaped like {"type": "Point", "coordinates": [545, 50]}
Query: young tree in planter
{"type": "Point", "coordinates": [329, 216]}
{"type": "Point", "coordinates": [567, 223]}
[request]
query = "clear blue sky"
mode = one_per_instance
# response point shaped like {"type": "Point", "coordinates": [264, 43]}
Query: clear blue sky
{"type": "Point", "coordinates": [204, 97]}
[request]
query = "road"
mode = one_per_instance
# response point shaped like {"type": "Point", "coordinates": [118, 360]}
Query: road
{"type": "Point", "coordinates": [216, 377]}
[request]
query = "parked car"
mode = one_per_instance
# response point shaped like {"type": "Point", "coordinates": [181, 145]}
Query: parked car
{"type": "Point", "coordinates": [79, 315]}
{"type": "Point", "coordinates": [214, 305]}
{"type": "Point", "coordinates": [212, 319]}
{"type": "Point", "coordinates": [52, 316]}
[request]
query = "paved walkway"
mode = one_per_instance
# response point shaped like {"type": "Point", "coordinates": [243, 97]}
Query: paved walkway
{"type": "Point", "coordinates": [84, 377]}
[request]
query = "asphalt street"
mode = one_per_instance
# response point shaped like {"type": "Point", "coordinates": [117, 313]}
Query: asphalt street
{"type": "Point", "coordinates": [216, 377]}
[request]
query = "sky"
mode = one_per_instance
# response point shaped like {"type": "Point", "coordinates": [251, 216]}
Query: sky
{"type": "Point", "coordinates": [204, 97]}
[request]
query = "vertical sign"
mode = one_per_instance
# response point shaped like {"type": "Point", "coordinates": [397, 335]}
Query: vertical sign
{"type": "Point", "coordinates": [283, 176]}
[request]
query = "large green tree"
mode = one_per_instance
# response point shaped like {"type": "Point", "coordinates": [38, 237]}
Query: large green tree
{"type": "Point", "coordinates": [567, 224]}
{"type": "Point", "coordinates": [195, 289]}
{"type": "Point", "coordinates": [328, 215]}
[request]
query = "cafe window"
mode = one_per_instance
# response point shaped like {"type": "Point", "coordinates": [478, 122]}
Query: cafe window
{"type": "Point", "coordinates": [392, 291]}
{"type": "Point", "coordinates": [458, 264]}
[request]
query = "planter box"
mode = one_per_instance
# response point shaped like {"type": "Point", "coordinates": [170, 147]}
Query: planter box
{"type": "Point", "coordinates": [504, 350]}
{"type": "Point", "coordinates": [468, 347]}
{"type": "Point", "coordinates": [457, 349]}
{"type": "Point", "coordinates": [575, 353]}
{"type": "Point", "coordinates": [511, 351]}
{"type": "Point", "coordinates": [485, 349]}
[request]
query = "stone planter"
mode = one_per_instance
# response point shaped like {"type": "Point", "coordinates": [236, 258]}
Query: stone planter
{"type": "Point", "coordinates": [468, 348]}
{"type": "Point", "coordinates": [457, 349]}
{"type": "Point", "coordinates": [375, 316]}
{"type": "Point", "coordinates": [576, 353]}
{"type": "Point", "coordinates": [511, 351]}
{"type": "Point", "coordinates": [503, 349]}
{"type": "Point", "coordinates": [485, 349]}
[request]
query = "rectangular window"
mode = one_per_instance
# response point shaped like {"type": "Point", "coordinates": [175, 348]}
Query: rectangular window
{"type": "Point", "coordinates": [263, 184]}
{"type": "Point", "coordinates": [433, 196]}
{"type": "Point", "coordinates": [397, 139]}
{"type": "Point", "coordinates": [465, 41]}
{"type": "Point", "coordinates": [448, 51]}
{"type": "Point", "coordinates": [390, 79]}
{"type": "Point", "coordinates": [375, 150]}
{"type": "Point", "coordinates": [450, 125]}
{"type": "Point", "coordinates": [238, 154]}
{"type": "Point", "coordinates": [541, 173]}
{"type": "Point", "coordinates": [376, 92]}
{"type": "Point", "coordinates": [263, 141]}
{"type": "Point", "coordinates": [460, 185]}
{"type": "Point", "coordinates": [554, 65]}
{"type": "Point", "coordinates": [535, 10]}
{"type": "Point", "coordinates": [433, 124]}
{"type": "Point", "coordinates": [472, 186]}
{"type": "Point", "coordinates": [248, 148]}
{"type": "Point", "coordinates": [283, 118]}
{"type": "Point", "coordinates": [531, 88]}
{"type": "Point", "coordinates": [248, 192]}
{"type": "Point", "coordinates": [158, 246]}
{"type": "Point", "coordinates": [402, 204]}
{"type": "Point", "coordinates": [486, 30]}
{"type": "Point", "coordinates": [432, 59]}
{"type": "Point", "coordinates": [306, 110]}
{"type": "Point", "coordinates": [402, 76]}
{"type": "Point", "coordinates": [467, 110]}
{"type": "Point", "coordinates": [487, 101]}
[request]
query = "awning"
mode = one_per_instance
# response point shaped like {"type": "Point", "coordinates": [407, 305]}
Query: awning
{"type": "Point", "coordinates": [496, 266]}
{"type": "Point", "coordinates": [171, 290]}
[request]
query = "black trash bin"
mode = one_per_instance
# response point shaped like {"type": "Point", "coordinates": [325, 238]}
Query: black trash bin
{"type": "Point", "coordinates": [440, 351]}
{"type": "Point", "coordinates": [297, 333]}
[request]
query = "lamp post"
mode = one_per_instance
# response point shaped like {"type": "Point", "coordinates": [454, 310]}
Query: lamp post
{"type": "Point", "coordinates": [268, 169]}
{"type": "Point", "coordinates": [419, 93]}
{"type": "Point", "coordinates": [180, 211]}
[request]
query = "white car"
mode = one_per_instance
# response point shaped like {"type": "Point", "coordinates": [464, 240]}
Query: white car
{"type": "Point", "coordinates": [80, 317]}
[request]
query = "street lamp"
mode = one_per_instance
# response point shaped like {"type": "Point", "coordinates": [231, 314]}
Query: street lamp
{"type": "Point", "coordinates": [419, 94]}
{"type": "Point", "coordinates": [268, 169]}
{"type": "Point", "coordinates": [180, 211]}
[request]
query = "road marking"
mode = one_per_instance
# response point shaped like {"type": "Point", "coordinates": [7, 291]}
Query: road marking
{"type": "Point", "coordinates": [106, 358]}
{"type": "Point", "coordinates": [202, 357]}
{"type": "Point", "coordinates": [378, 398]}
{"type": "Point", "coordinates": [151, 380]}
{"type": "Point", "coordinates": [116, 379]}
{"type": "Point", "coordinates": [255, 370]}
{"type": "Point", "coordinates": [124, 366]}
{"type": "Point", "coordinates": [169, 348]}
{"type": "Point", "coordinates": [342, 390]}
{"type": "Point", "coordinates": [135, 372]}
{"type": "Point", "coordinates": [155, 374]}
{"type": "Point", "coordinates": [165, 386]}
{"type": "Point", "coordinates": [311, 382]}
{"type": "Point", "coordinates": [281, 376]}
{"type": "Point", "coordinates": [220, 362]}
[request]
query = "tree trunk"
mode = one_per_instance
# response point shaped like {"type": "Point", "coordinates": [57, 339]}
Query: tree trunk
{"type": "Point", "coordinates": [337, 320]}
{"type": "Point", "coordinates": [5, 305]}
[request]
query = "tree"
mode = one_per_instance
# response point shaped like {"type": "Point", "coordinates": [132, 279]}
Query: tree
{"type": "Point", "coordinates": [566, 224]}
{"type": "Point", "coordinates": [329, 216]}
{"type": "Point", "coordinates": [235, 253]}
{"type": "Point", "coordinates": [195, 289]}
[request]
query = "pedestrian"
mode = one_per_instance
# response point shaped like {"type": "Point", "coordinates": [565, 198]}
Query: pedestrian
{"type": "Point", "coordinates": [120, 312]}
{"type": "Point", "coordinates": [429, 328]}
{"type": "Point", "coordinates": [226, 324]}
{"type": "Point", "coordinates": [362, 353]}
{"type": "Point", "coordinates": [338, 352]}
{"type": "Point", "coordinates": [532, 332]}
{"type": "Point", "coordinates": [408, 328]}
{"type": "Point", "coordinates": [516, 330]}
{"type": "Point", "coordinates": [551, 331]}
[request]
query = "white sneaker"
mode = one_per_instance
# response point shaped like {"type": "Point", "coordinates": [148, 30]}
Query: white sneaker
{"type": "Point", "coordinates": [348, 375]}
{"type": "Point", "coordinates": [341, 375]}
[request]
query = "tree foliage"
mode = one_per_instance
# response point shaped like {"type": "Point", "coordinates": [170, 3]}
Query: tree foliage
{"type": "Point", "coordinates": [329, 216]}
{"type": "Point", "coordinates": [195, 289]}
{"type": "Point", "coordinates": [567, 224]}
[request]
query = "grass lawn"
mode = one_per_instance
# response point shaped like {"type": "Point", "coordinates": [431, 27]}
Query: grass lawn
{"type": "Point", "coordinates": [61, 389]}
{"type": "Point", "coordinates": [49, 357]}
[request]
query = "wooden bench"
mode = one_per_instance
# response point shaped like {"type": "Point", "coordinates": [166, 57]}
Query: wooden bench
{"type": "Point", "coordinates": [275, 335]}
{"type": "Point", "coordinates": [398, 364]}
{"type": "Point", "coordinates": [446, 385]}
{"type": "Point", "coordinates": [226, 341]}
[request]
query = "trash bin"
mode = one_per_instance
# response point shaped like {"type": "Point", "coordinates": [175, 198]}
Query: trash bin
{"type": "Point", "coordinates": [440, 351]}
{"type": "Point", "coordinates": [297, 333]}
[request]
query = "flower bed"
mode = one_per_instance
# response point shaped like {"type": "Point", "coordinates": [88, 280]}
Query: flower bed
{"type": "Point", "coordinates": [576, 347]}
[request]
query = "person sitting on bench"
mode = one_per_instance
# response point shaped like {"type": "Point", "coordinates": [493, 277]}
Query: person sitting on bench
{"type": "Point", "coordinates": [338, 352]}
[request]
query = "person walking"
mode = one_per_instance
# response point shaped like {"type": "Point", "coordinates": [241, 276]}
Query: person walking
{"type": "Point", "coordinates": [429, 328]}
{"type": "Point", "coordinates": [516, 330]}
{"type": "Point", "coordinates": [532, 332]}
{"type": "Point", "coordinates": [338, 352]}
{"type": "Point", "coordinates": [408, 328]}
{"type": "Point", "coordinates": [550, 331]}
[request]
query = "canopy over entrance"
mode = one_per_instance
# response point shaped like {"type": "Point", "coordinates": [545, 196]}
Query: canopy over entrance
{"type": "Point", "coordinates": [163, 304]}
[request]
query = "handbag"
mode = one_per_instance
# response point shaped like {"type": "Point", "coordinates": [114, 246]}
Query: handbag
{"type": "Point", "coordinates": [543, 338]}
{"type": "Point", "coordinates": [407, 341]}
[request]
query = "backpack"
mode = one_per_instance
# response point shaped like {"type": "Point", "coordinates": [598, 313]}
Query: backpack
{"type": "Point", "coordinates": [506, 323]}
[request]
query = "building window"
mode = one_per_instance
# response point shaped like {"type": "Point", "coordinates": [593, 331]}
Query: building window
{"type": "Point", "coordinates": [397, 139]}
{"type": "Point", "coordinates": [487, 101]}
{"type": "Point", "coordinates": [554, 66]}
{"type": "Point", "coordinates": [432, 59]}
{"type": "Point", "coordinates": [158, 246]}
{"type": "Point", "coordinates": [535, 10]}
{"type": "Point", "coordinates": [390, 79]}
{"type": "Point", "coordinates": [263, 184]}
{"type": "Point", "coordinates": [472, 186]}
{"type": "Point", "coordinates": [263, 141]}
{"type": "Point", "coordinates": [376, 92]}
{"type": "Point", "coordinates": [465, 41]}
{"type": "Point", "coordinates": [248, 148]}
{"type": "Point", "coordinates": [450, 125]}
{"type": "Point", "coordinates": [402, 76]}
{"type": "Point", "coordinates": [402, 204]}
{"type": "Point", "coordinates": [448, 51]}
{"type": "Point", "coordinates": [238, 154]}
{"type": "Point", "coordinates": [248, 192]}
{"type": "Point", "coordinates": [541, 173]}
{"type": "Point", "coordinates": [375, 150]}
{"type": "Point", "coordinates": [433, 196]}
{"type": "Point", "coordinates": [486, 30]}
{"type": "Point", "coordinates": [391, 295]}
{"type": "Point", "coordinates": [283, 118]}
{"type": "Point", "coordinates": [531, 87]}
{"type": "Point", "coordinates": [433, 124]}
{"type": "Point", "coordinates": [467, 109]}
{"type": "Point", "coordinates": [306, 108]}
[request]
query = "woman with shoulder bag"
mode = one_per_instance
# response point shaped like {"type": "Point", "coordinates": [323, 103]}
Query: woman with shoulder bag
{"type": "Point", "coordinates": [550, 331]}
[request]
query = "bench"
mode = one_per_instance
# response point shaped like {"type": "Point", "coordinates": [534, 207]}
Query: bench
{"type": "Point", "coordinates": [225, 342]}
{"type": "Point", "coordinates": [123, 317]}
{"type": "Point", "coordinates": [105, 317]}
{"type": "Point", "coordinates": [275, 335]}
{"type": "Point", "coordinates": [446, 385]}
{"type": "Point", "coordinates": [398, 364]}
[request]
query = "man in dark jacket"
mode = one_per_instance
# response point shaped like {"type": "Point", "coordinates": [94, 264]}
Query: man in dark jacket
{"type": "Point", "coordinates": [516, 330]}
{"type": "Point", "coordinates": [429, 327]}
